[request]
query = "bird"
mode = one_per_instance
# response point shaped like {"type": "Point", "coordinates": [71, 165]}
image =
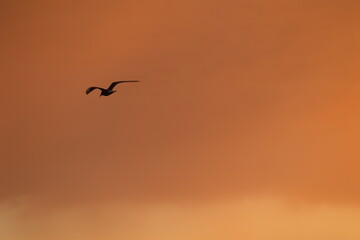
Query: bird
{"type": "Point", "coordinates": [109, 90]}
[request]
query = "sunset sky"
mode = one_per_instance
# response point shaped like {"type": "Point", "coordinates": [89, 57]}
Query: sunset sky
{"type": "Point", "coordinates": [245, 124]}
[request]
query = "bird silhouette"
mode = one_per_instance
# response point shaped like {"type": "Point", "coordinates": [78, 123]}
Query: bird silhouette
{"type": "Point", "coordinates": [109, 90]}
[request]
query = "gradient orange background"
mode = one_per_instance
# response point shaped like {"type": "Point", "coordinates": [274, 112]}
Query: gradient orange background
{"type": "Point", "coordinates": [245, 124]}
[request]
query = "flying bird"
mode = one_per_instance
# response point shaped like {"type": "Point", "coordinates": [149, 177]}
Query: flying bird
{"type": "Point", "coordinates": [109, 90]}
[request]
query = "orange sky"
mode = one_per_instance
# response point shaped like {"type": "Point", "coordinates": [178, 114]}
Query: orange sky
{"type": "Point", "coordinates": [245, 110]}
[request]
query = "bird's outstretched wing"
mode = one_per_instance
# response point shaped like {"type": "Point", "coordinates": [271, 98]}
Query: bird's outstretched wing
{"type": "Point", "coordinates": [116, 83]}
{"type": "Point", "coordinates": [90, 89]}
